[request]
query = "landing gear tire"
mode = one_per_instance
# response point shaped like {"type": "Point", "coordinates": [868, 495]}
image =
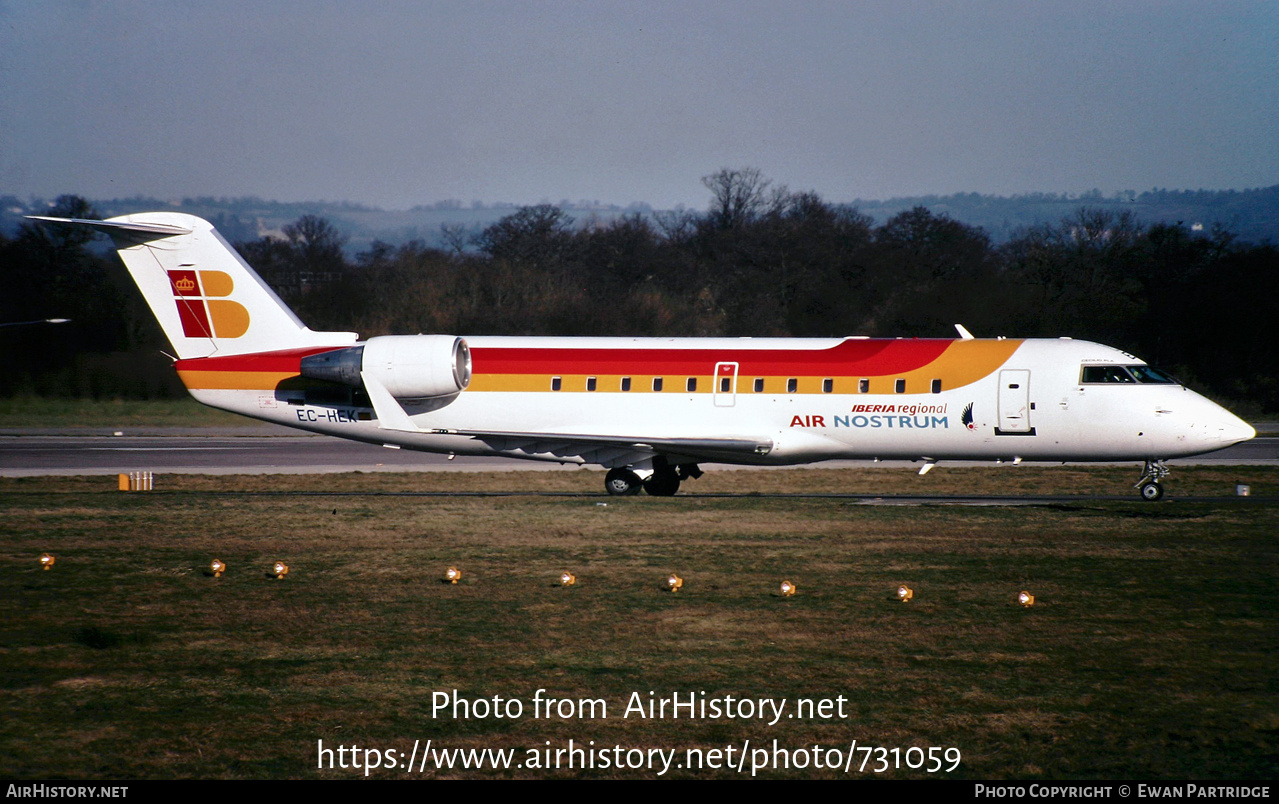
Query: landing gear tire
{"type": "Point", "coordinates": [622, 482]}
{"type": "Point", "coordinates": [1148, 486]}
{"type": "Point", "coordinates": [662, 484]}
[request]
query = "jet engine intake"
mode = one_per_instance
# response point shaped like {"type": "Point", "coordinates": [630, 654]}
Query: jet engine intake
{"type": "Point", "coordinates": [408, 366]}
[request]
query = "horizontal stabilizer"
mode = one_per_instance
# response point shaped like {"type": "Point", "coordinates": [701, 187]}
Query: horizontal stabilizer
{"type": "Point", "coordinates": [123, 233]}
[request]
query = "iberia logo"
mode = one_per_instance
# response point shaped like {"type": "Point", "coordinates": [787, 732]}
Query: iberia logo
{"type": "Point", "coordinates": [207, 314]}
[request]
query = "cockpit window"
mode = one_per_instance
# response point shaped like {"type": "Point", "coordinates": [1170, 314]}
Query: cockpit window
{"type": "Point", "coordinates": [1125, 374]}
{"type": "Point", "coordinates": [1152, 375]}
{"type": "Point", "coordinates": [1105, 374]}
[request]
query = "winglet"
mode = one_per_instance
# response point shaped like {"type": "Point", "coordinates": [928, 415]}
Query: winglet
{"type": "Point", "coordinates": [390, 414]}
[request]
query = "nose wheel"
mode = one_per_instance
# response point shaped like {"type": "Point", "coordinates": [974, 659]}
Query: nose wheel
{"type": "Point", "coordinates": [1148, 486]}
{"type": "Point", "coordinates": [1152, 492]}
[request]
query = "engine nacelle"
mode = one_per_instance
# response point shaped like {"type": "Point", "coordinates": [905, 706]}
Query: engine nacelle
{"type": "Point", "coordinates": [409, 366]}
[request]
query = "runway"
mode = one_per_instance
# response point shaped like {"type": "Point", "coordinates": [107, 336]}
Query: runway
{"type": "Point", "coordinates": [34, 455]}
{"type": "Point", "coordinates": [265, 450]}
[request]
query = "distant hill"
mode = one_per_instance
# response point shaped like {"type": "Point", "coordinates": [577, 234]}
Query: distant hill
{"type": "Point", "coordinates": [1251, 215]}
{"type": "Point", "coordinates": [241, 219]}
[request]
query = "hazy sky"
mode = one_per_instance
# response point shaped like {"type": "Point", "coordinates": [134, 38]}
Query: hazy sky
{"type": "Point", "coordinates": [401, 103]}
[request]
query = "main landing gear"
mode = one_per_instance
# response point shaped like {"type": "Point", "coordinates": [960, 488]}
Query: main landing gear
{"type": "Point", "coordinates": [622, 482]}
{"type": "Point", "coordinates": [1149, 485]}
{"type": "Point", "coordinates": [663, 482]}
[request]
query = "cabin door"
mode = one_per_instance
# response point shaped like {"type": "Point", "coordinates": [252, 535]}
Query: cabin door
{"type": "Point", "coordinates": [725, 390]}
{"type": "Point", "coordinates": [1014, 403]}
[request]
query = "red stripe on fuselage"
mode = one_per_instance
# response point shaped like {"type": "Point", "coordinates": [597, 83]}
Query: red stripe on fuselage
{"type": "Point", "coordinates": [283, 360]}
{"type": "Point", "coordinates": [849, 358]}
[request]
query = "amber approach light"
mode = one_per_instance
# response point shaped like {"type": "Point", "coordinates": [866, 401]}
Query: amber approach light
{"type": "Point", "coordinates": [905, 593]}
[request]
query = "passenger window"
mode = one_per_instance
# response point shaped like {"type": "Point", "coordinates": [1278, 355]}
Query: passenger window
{"type": "Point", "coordinates": [657, 383]}
{"type": "Point", "coordinates": [899, 386]}
{"type": "Point", "coordinates": [863, 386]}
{"type": "Point", "coordinates": [691, 385]}
{"type": "Point", "coordinates": [759, 385]}
{"type": "Point", "coordinates": [725, 384]}
{"type": "Point", "coordinates": [556, 383]}
{"type": "Point", "coordinates": [590, 383]}
{"type": "Point", "coordinates": [626, 383]}
{"type": "Point", "coordinates": [828, 385]}
{"type": "Point", "coordinates": [936, 386]}
{"type": "Point", "coordinates": [792, 385]}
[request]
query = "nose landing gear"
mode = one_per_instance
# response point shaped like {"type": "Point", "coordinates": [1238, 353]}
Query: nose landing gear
{"type": "Point", "coordinates": [1148, 486]}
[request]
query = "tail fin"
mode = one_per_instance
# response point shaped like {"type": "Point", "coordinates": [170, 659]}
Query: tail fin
{"type": "Point", "coordinates": [206, 298]}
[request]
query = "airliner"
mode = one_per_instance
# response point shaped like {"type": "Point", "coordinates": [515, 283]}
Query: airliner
{"type": "Point", "coordinates": [650, 410]}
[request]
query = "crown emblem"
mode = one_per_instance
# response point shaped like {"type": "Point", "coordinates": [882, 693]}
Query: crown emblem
{"type": "Point", "coordinates": [184, 284]}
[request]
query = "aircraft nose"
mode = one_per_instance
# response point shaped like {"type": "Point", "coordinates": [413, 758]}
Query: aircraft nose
{"type": "Point", "coordinates": [1234, 430]}
{"type": "Point", "coordinates": [1224, 426]}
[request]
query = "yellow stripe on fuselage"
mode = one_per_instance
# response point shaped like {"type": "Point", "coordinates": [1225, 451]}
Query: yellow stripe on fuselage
{"type": "Point", "coordinates": [234, 380]}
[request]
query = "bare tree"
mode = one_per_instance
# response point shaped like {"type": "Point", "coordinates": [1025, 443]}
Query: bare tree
{"type": "Point", "coordinates": [740, 196]}
{"type": "Point", "coordinates": [455, 236]}
{"type": "Point", "coordinates": [316, 243]}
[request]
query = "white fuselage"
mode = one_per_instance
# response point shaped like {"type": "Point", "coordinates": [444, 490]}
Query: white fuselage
{"type": "Point", "coordinates": [1032, 406]}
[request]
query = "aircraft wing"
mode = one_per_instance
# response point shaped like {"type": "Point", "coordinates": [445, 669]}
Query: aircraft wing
{"type": "Point", "coordinates": [600, 448]}
{"type": "Point", "coordinates": [606, 450]}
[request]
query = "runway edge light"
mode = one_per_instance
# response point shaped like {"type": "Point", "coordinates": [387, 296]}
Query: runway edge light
{"type": "Point", "coordinates": [567, 579]}
{"type": "Point", "coordinates": [674, 582]}
{"type": "Point", "coordinates": [279, 569]}
{"type": "Point", "coordinates": [452, 574]}
{"type": "Point", "coordinates": [1026, 599]}
{"type": "Point", "coordinates": [47, 561]}
{"type": "Point", "coordinates": [217, 567]}
{"type": "Point", "coordinates": [905, 593]}
{"type": "Point", "coordinates": [788, 589]}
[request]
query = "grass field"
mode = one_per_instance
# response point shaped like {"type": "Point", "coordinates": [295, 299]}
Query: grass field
{"type": "Point", "coordinates": [53, 412]}
{"type": "Point", "coordinates": [1151, 651]}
